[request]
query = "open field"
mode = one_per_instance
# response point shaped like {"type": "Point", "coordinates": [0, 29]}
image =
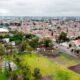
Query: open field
{"type": "Point", "coordinates": [49, 68]}
{"type": "Point", "coordinates": [66, 60]}
{"type": "Point", "coordinates": [57, 68]}
{"type": "Point", "coordinates": [2, 76]}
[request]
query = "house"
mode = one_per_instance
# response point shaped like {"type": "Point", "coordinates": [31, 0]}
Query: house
{"type": "Point", "coordinates": [65, 44]}
{"type": "Point", "coordinates": [76, 43]}
{"type": "Point", "coordinates": [6, 40]}
{"type": "Point", "coordinates": [4, 31]}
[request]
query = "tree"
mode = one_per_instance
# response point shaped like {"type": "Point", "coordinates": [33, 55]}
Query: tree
{"type": "Point", "coordinates": [25, 46]}
{"type": "Point", "coordinates": [70, 45]}
{"type": "Point", "coordinates": [37, 75]}
{"type": "Point", "coordinates": [34, 42]}
{"type": "Point", "coordinates": [18, 37]}
{"type": "Point", "coordinates": [29, 36]}
{"type": "Point", "coordinates": [13, 76]}
{"type": "Point", "coordinates": [1, 36]}
{"type": "Point", "coordinates": [62, 37]}
{"type": "Point", "coordinates": [77, 51]}
{"type": "Point", "coordinates": [26, 73]}
{"type": "Point", "coordinates": [2, 49]}
{"type": "Point", "coordinates": [22, 71]}
{"type": "Point", "coordinates": [47, 43]}
{"type": "Point", "coordinates": [77, 38]}
{"type": "Point", "coordinates": [17, 60]}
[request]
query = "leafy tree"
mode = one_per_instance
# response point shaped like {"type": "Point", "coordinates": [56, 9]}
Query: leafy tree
{"type": "Point", "coordinates": [70, 45]}
{"type": "Point", "coordinates": [1, 37]}
{"type": "Point", "coordinates": [2, 49]}
{"type": "Point", "coordinates": [6, 36]}
{"type": "Point", "coordinates": [26, 73]}
{"type": "Point", "coordinates": [63, 37]}
{"type": "Point", "coordinates": [18, 37]}
{"type": "Point", "coordinates": [48, 43]}
{"type": "Point", "coordinates": [17, 60]}
{"type": "Point", "coordinates": [22, 70]}
{"type": "Point", "coordinates": [77, 38]}
{"type": "Point", "coordinates": [37, 75]}
{"type": "Point", "coordinates": [24, 46]}
{"type": "Point", "coordinates": [13, 76]}
{"type": "Point", "coordinates": [29, 36]}
{"type": "Point", "coordinates": [34, 42]}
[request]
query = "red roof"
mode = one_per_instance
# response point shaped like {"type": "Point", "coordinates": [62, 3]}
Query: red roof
{"type": "Point", "coordinates": [77, 42]}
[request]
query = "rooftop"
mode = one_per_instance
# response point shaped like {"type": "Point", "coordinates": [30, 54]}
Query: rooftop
{"type": "Point", "coordinates": [4, 30]}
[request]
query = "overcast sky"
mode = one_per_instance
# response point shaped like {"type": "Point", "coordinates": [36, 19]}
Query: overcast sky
{"type": "Point", "coordinates": [39, 7]}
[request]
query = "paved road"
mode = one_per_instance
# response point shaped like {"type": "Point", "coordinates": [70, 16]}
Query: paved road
{"type": "Point", "coordinates": [64, 49]}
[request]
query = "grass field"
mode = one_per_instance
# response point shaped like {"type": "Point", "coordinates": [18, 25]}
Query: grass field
{"type": "Point", "coordinates": [66, 60]}
{"type": "Point", "coordinates": [56, 68]}
{"type": "Point", "coordinates": [2, 76]}
{"type": "Point", "coordinates": [49, 68]}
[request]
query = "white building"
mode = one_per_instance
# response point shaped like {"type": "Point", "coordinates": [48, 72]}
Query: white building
{"type": "Point", "coordinates": [4, 30]}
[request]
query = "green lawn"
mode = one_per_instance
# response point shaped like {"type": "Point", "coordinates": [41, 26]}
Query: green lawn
{"type": "Point", "coordinates": [48, 67]}
{"type": "Point", "coordinates": [66, 60]}
{"type": "Point", "coordinates": [2, 76]}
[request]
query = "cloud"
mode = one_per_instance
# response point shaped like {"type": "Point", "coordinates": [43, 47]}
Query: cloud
{"type": "Point", "coordinates": [39, 8]}
{"type": "Point", "coordinates": [4, 11]}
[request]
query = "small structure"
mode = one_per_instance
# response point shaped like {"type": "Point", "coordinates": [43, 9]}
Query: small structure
{"type": "Point", "coordinates": [6, 40]}
{"type": "Point", "coordinates": [76, 43]}
{"type": "Point", "coordinates": [65, 44]}
{"type": "Point", "coordinates": [4, 31]}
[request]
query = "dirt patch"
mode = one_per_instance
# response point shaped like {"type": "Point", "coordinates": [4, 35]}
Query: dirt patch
{"type": "Point", "coordinates": [75, 68]}
{"type": "Point", "coordinates": [49, 53]}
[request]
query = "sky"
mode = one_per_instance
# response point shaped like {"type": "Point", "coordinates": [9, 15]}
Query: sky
{"type": "Point", "coordinates": [39, 7]}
